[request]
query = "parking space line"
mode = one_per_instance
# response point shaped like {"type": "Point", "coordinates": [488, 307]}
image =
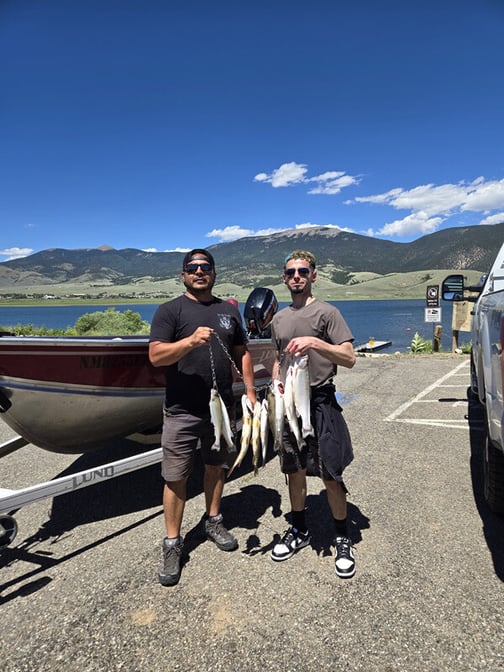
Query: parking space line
{"type": "Point", "coordinates": [420, 399]}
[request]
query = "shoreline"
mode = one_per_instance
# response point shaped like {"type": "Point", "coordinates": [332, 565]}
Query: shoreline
{"type": "Point", "coordinates": [27, 303]}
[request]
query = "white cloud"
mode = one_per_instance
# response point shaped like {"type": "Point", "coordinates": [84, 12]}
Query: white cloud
{"type": "Point", "coordinates": [289, 174]}
{"type": "Point", "coordinates": [15, 253]}
{"type": "Point", "coordinates": [426, 198]}
{"type": "Point", "coordinates": [267, 232]}
{"type": "Point", "coordinates": [285, 176]}
{"type": "Point", "coordinates": [498, 218]}
{"type": "Point", "coordinates": [229, 233]}
{"type": "Point", "coordinates": [310, 225]}
{"type": "Point", "coordinates": [417, 222]}
{"type": "Point", "coordinates": [486, 196]}
{"type": "Point", "coordinates": [331, 183]}
{"type": "Point", "coordinates": [430, 205]}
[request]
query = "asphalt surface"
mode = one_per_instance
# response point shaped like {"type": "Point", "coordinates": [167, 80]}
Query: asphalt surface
{"type": "Point", "coordinates": [79, 586]}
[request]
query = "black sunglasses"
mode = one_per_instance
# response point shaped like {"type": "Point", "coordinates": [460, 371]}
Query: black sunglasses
{"type": "Point", "coordinates": [192, 268]}
{"type": "Point", "coordinates": [304, 271]}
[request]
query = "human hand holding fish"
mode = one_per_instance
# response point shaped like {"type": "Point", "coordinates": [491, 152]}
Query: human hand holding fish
{"type": "Point", "coordinates": [300, 345]}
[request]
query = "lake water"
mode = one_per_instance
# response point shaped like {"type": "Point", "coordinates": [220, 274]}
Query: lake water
{"type": "Point", "coordinates": [395, 321]}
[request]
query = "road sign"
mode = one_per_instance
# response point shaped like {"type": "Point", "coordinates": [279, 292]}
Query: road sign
{"type": "Point", "coordinates": [432, 296]}
{"type": "Point", "coordinates": [433, 314]}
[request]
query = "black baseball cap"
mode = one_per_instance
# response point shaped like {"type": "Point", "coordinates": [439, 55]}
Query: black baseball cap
{"type": "Point", "coordinates": [198, 253]}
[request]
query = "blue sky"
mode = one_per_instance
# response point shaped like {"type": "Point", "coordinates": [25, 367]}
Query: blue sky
{"type": "Point", "coordinates": [165, 125]}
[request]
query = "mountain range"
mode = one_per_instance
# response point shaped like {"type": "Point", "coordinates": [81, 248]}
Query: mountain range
{"type": "Point", "coordinates": [257, 261]}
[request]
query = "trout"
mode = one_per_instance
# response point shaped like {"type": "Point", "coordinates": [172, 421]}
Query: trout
{"type": "Point", "coordinates": [246, 432]}
{"type": "Point", "coordinates": [290, 408]}
{"type": "Point", "coordinates": [278, 413]}
{"type": "Point", "coordinates": [216, 417]}
{"type": "Point", "coordinates": [264, 428]}
{"type": "Point", "coordinates": [302, 392]}
{"type": "Point", "coordinates": [227, 432]}
{"type": "Point", "coordinates": [220, 420]}
{"type": "Point", "coordinates": [256, 432]}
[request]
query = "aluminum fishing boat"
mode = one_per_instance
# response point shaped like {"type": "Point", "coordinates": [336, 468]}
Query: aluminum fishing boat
{"type": "Point", "coordinates": [70, 394]}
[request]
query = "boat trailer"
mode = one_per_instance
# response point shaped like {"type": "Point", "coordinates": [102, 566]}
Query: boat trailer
{"type": "Point", "coordinates": [11, 500]}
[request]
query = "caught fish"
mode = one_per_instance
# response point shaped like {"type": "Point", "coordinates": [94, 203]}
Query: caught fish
{"type": "Point", "coordinates": [278, 413]}
{"type": "Point", "coordinates": [220, 420]}
{"type": "Point", "coordinates": [270, 398]}
{"type": "Point", "coordinates": [289, 405]}
{"type": "Point", "coordinates": [227, 432]}
{"type": "Point", "coordinates": [264, 428]}
{"type": "Point", "coordinates": [246, 432]}
{"type": "Point", "coordinates": [216, 417]}
{"type": "Point", "coordinates": [301, 389]}
{"type": "Point", "coordinates": [256, 432]}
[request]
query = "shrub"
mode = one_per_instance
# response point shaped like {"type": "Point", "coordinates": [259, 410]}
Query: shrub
{"type": "Point", "coordinates": [419, 344]}
{"type": "Point", "coordinates": [111, 322]}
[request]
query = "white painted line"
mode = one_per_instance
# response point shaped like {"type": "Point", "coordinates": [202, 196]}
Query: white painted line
{"type": "Point", "coordinates": [435, 423]}
{"type": "Point", "coordinates": [393, 416]}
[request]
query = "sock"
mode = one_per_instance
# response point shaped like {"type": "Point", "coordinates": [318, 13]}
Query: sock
{"type": "Point", "coordinates": [340, 527]}
{"type": "Point", "coordinates": [214, 519]}
{"type": "Point", "coordinates": [298, 521]}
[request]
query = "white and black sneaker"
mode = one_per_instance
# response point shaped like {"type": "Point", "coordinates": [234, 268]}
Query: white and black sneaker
{"type": "Point", "coordinates": [292, 541]}
{"type": "Point", "coordinates": [344, 561]}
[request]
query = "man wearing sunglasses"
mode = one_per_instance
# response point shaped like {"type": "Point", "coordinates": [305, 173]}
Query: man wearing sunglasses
{"type": "Point", "coordinates": [193, 337]}
{"type": "Point", "coordinates": [317, 329]}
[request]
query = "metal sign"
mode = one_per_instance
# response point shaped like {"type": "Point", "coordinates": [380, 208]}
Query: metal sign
{"type": "Point", "coordinates": [432, 296]}
{"type": "Point", "coordinates": [433, 314]}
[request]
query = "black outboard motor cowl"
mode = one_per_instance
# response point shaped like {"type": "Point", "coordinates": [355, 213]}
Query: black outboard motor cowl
{"type": "Point", "coordinates": [259, 309]}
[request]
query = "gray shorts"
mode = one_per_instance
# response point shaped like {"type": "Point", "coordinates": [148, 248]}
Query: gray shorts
{"type": "Point", "coordinates": [179, 440]}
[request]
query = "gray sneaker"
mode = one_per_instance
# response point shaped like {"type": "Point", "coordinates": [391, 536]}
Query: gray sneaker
{"type": "Point", "coordinates": [169, 572]}
{"type": "Point", "coordinates": [216, 532]}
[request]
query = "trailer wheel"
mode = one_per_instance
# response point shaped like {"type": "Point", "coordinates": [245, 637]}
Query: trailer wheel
{"type": "Point", "coordinates": [8, 530]}
{"type": "Point", "coordinates": [493, 477]}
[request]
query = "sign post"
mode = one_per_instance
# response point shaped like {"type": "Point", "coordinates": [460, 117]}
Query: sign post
{"type": "Point", "coordinates": [433, 314]}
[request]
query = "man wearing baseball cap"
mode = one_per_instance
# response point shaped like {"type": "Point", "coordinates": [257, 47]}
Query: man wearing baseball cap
{"type": "Point", "coordinates": [193, 338]}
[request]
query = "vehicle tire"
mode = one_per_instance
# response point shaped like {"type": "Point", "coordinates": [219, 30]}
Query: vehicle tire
{"type": "Point", "coordinates": [493, 476]}
{"type": "Point", "coordinates": [474, 378]}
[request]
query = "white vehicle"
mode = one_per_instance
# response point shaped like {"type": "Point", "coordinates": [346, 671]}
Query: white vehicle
{"type": "Point", "coordinates": [487, 367]}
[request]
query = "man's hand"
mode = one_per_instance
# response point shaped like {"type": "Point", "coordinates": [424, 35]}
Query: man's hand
{"type": "Point", "coordinates": [300, 345]}
{"type": "Point", "coordinates": [201, 336]}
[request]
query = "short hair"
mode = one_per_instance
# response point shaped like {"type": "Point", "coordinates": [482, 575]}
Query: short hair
{"type": "Point", "coordinates": [301, 254]}
{"type": "Point", "coordinates": [198, 252]}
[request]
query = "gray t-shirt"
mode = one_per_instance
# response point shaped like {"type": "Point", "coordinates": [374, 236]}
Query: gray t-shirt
{"type": "Point", "coordinates": [317, 318]}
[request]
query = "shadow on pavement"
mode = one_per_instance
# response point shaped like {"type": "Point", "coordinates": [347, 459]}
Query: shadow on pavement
{"type": "Point", "coordinates": [493, 524]}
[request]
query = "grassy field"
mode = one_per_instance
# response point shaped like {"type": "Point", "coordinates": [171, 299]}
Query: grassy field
{"type": "Point", "coordinates": [365, 286]}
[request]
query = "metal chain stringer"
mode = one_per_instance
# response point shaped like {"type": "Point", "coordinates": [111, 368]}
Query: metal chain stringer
{"type": "Point", "coordinates": [233, 363]}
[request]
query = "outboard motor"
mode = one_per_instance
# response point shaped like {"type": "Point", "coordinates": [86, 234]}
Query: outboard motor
{"type": "Point", "coordinates": [259, 310]}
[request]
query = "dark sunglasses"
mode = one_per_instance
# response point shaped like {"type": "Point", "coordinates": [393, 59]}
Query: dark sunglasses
{"type": "Point", "coordinates": [192, 268]}
{"type": "Point", "coordinates": [304, 271]}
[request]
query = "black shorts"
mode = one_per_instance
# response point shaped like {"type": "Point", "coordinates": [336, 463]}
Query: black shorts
{"type": "Point", "coordinates": [293, 459]}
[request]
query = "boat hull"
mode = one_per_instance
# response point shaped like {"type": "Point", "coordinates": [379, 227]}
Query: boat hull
{"type": "Point", "coordinates": [70, 395]}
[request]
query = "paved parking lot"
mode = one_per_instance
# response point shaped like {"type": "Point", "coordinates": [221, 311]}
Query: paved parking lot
{"type": "Point", "coordinates": [78, 588]}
